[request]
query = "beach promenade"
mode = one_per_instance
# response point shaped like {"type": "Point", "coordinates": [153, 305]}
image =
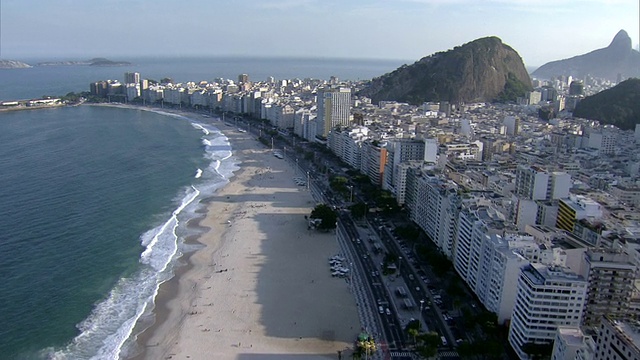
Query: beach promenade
{"type": "Point", "coordinates": [260, 287]}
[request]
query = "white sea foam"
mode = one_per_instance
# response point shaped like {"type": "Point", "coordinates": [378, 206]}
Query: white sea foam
{"type": "Point", "coordinates": [198, 126]}
{"type": "Point", "coordinates": [108, 332]}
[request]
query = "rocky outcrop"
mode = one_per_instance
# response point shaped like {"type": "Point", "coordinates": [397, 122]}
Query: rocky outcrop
{"type": "Point", "coordinates": [482, 70]}
{"type": "Point", "coordinates": [13, 64]}
{"type": "Point", "coordinates": [619, 106]}
{"type": "Point", "coordinates": [618, 58]}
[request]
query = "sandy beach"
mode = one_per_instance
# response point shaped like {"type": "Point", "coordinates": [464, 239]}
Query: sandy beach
{"type": "Point", "coordinates": [260, 288]}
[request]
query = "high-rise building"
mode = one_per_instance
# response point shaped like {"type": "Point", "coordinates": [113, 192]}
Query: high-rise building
{"type": "Point", "coordinates": [611, 277]}
{"type": "Point", "coordinates": [243, 79]}
{"type": "Point", "coordinates": [400, 151]}
{"type": "Point", "coordinates": [513, 124]}
{"type": "Point", "coordinates": [617, 340]}
{"type": "Point", "coordinates": [535, 183]}
{"type": "Point", "coordinates": [334, 108]}
{"type": "Point", "coordinates": [373, 160]}
{"type": "Point", "coordinates": [547, 297]}
{"type": "Point", "coordinates": [131, 78]}
{"type": "Point", "coordinates": [432, 202]}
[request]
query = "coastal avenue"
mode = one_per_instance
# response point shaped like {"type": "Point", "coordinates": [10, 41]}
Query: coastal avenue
{"type": "Point", "coordinates": [391, 340]}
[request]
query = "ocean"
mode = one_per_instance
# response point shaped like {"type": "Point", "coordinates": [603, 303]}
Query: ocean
{"type": "Point", "coordinates": [95, 201]}
{"type": "Point", "coordinates": [19, 84]}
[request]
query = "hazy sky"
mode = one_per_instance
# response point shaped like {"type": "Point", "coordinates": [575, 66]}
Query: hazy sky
{"type": "Point", "coordinates": [539, 30]}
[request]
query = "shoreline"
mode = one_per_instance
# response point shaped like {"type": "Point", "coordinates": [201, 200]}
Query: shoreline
{"type": "Point", "coordinates": [228, 289]}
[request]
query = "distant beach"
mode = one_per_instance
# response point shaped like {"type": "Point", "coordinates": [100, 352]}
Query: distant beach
{"type": "Point", "coordinates": [260, 284]}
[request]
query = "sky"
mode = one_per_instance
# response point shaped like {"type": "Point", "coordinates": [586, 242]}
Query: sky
{"type": "Point", "coordinates": [540, 31]}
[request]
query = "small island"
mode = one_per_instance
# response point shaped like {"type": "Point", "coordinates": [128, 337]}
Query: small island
{"type": "Point", "coordinates": [91, 62]}
{"type": "Point", "coordinates": [13, 64]}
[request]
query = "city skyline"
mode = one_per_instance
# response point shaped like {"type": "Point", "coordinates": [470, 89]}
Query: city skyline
{"type": "Point", "coordinates": [405, 30]}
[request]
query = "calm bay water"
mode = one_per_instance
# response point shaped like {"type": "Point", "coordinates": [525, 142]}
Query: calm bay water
{"type": "Point", "coordinates": [59, 80]}
{"type": "Point", "coordinates": [95, 199]}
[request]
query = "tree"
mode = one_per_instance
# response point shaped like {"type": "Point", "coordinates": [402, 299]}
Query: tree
{"type": "Point", "coordinates": [359, 210]}
{"type": "Point", "coordinates": [326, 215]}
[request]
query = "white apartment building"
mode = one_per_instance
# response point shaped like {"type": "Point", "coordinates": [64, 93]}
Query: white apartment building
{"type": "Point", "coordinates": [132, 91]}
{"type": "Point", "coordinates": [346, 144]}
{"type": "Point", "coordinates": [535, 183]}
{"type": "Point", "coordinates": [433, 204]}
{"type": "Point", "coordinates": [498, 278]}
{"type": "Point", "coordinates": [400, 151]}
{"type": "Point", "coordinates": [373, 159]}
{"type": "Point", "coordinates": [568, 342]}
{"type": "Point", "coordinates": [547, 297]}
{"type": "Point", "coordinates": [477, 221]}
{"type": "Point", "coordinates": [617, 340]}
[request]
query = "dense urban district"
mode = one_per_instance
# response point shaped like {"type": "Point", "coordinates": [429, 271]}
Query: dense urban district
{"type": "Point", "coordinates": [517, 204]}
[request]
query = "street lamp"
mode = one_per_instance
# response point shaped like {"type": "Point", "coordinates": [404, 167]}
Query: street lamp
{"type": "Point", "coordinates": [421, 303]}
{"type": "Point", "coordinates": [351, 194]}
{"type": "Point", "coordinates": [399, 263]}
{"type": "Point", "coordinates": [307, 180]}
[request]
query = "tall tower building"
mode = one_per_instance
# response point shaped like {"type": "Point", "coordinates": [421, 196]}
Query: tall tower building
{"type": "Point", "coordinates": [243, 78]}
{"type": "Point", "coordinates": [131, 78]}
{"type": "Point", "coordinates": [547, 297]}
{"type": "Point", "coordinates": [535, 183]}
{"type": "Point", "coordinates": [611, 276]}
{"type": "Point", "coordinates": [334, 108]}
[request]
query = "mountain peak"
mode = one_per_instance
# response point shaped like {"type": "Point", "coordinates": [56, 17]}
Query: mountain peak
{"type": "Point", "coordinates": [621, 41]}
{"type": "Point", "coordinates": [485, 69]}
{"type": "Point", "coordinates": [612, 62]}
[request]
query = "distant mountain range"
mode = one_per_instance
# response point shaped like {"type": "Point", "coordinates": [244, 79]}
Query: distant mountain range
{"type": "Point", "coordinates": [13, 64]}
{"type": "Point", "coordinates": [482, 70]}
{"type": "Point", "coordinates": [91, 62]}
{"type": "Point", "coordinates": [619, 106]}
{"type": "Point", "coordinates": [617, 58]}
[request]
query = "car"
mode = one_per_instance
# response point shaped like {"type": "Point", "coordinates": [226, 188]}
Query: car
{"type": "Point", "coordinates": [380, 309]}
{"type": "Point", "coordinates": [411, 277]}
{"type": "Point", "coordinates": [387, 311]}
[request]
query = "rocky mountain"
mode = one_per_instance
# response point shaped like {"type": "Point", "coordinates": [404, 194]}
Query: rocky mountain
{"type": "Point", "coordinates": [619, 105]}
{"type": "Point", "coordinates": [483, 70]}
{"type": "Point", "coordinates": [617, 58]}
{"type": "Point", "coordinates": [13, 64]}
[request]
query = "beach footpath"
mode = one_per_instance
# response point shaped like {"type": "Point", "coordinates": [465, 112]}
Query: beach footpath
{"type": "Point", "coordinates": [260, 287]}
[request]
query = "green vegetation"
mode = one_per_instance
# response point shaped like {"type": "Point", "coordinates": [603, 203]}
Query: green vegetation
{"type": "Point", "coordinates": [619, 106]}
{"type": "Point", "coordinates": [424, 344]}
{"type": "Point", "coordinates": [411, 233]}
{"type": "Point", "coordinates": [326, 215]}
{"type": "Point", "coordinates": [339, 184]}
{"type": "Point", "coordinates": [476, 71]}
{"type": "Point", "coordinates": [513, 89]}
{"type": "Point", "coordinates": [359, 210]}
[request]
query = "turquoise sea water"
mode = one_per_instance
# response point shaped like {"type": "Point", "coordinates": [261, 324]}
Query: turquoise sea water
{"type": "Point", "coordinates": [86, 216]}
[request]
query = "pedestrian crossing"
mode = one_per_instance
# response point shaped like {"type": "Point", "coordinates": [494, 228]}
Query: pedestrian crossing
{"type": "Point", "coordinates": [448, 354]}
{"type": "Point", "coordinates": [401, 354]}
